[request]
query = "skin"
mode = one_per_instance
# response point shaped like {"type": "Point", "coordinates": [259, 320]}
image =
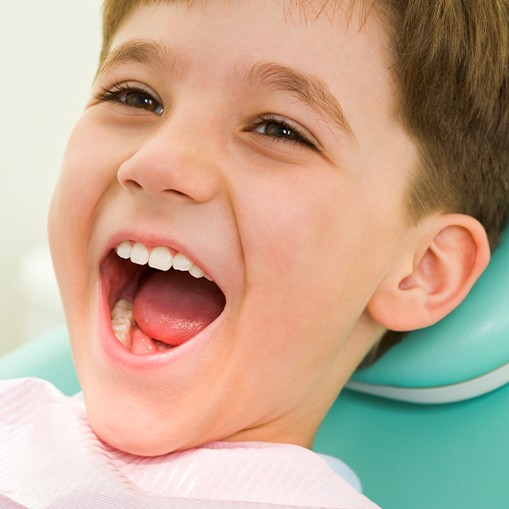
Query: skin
{"type": "Point", "coordinates": [298, 237]}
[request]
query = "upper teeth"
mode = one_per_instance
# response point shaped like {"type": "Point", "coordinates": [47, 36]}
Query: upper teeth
{"type": "Point", "coordinates": [160, 258]}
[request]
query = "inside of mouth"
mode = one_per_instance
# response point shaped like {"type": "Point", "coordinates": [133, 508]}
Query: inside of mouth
{"type": "Point", "coordinates": [152, 310]}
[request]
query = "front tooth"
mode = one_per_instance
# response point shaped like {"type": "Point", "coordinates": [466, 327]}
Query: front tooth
{"type": "Point", "coordinates": [196, 272]}
{"type": "Point", "coordinates": [124, 250]}
{"type": "Point", "coordinates": [161, 258]}
{"type": "Point", "coordinates": [140, 254]}
{"type": "Point", "coordinates": [182, 262]}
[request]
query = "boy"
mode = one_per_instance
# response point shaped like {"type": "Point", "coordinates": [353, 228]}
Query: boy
{"type": "Point", "coordinates": [316, 174]}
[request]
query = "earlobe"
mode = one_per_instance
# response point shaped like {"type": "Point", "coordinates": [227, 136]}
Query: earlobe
{"type": "Point", "coordinates": [449, 253]}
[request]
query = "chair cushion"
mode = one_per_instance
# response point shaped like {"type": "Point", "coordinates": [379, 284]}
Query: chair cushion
{"type": "Point", "coordinates": [47, 357]}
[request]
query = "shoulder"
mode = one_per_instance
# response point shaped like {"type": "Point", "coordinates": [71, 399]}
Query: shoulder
{"type": "Point", "coordinates": [26, 384]}
{"type": "Point", "coordinates": [275, 473]}
{"type": "Point", "coordinates": [27, 402]}
{"type": "Point", "coordinates": [27, 392]}
{"type": "Point", "coordinates": [37, 434]}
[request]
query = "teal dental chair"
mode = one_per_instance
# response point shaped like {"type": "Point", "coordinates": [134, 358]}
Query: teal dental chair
{"type": "Point", "coordinates": [426, 427]}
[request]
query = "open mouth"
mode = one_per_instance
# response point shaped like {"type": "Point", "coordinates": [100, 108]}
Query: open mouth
{"type": "Point", "coordinates": [158, 298]}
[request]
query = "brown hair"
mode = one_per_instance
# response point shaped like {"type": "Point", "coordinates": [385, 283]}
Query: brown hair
{"type": "Point", "coordinates": [452, 71]}
{"type": "Point", "coordinates": [114, 12]}
{"type": "Point", "coordinates": [451, 66]}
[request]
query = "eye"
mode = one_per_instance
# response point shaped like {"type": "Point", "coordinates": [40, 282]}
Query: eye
{"type": "Point", "coordinates": [132, 97]}
{"type": "Point", "coordinates": [281, 130]}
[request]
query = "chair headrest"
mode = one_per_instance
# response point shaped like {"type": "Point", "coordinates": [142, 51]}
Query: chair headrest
{"type": "Point", "coordinates": [464, 355]}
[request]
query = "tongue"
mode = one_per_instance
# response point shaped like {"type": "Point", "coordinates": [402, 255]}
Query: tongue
{"type": "Point", "coordinates": [172, 306]}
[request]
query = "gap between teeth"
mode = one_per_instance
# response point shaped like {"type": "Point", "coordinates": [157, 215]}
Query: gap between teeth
{"type": "Point", "coordinates": [160, 258]}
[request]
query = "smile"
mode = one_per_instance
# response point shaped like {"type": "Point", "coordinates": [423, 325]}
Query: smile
{"type": "Point", "coordinates": [158, 297]}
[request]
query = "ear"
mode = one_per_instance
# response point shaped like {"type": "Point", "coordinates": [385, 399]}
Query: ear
{"type": "Point", "coordinates": [445, 258]}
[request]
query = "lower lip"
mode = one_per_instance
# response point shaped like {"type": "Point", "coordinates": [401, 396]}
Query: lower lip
{"type": "Point", "coordinates": [118, 355]}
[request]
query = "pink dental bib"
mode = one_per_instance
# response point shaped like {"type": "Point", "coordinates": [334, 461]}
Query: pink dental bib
{"type": "Point", "coordinates": [50, 458]}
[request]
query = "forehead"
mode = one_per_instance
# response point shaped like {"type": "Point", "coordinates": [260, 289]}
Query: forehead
{"type": "Point", "coordinates": [306, 8]}
{"type": "Point", "coordinates": [355, 12]}
{"type": "Point", "coordinates": [308, 17]}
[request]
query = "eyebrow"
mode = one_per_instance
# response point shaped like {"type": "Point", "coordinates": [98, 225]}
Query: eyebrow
{"type": "Point", "coordinates": [307, 88]}
{"type": "Point", "coordinates": [145, 52]}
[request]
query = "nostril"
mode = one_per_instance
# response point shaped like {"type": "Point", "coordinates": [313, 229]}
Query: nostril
{"type": "Point", "coordinates": [132, 184]}
{"type": "Point", "coordinates": [174, 192]}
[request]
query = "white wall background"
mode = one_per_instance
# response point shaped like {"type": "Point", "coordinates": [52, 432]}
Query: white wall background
{"type": "Point", "coordinates": [48, 54]}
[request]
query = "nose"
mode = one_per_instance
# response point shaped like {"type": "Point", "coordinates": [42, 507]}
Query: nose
{"type": "Point", "coordinates": [171, 161]}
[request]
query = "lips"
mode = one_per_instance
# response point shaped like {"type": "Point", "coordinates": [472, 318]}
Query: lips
{"type": "Point", "coordinates": [158, 297]}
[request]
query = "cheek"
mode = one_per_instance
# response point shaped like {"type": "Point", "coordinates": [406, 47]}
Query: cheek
{"type": "Point", "coordinates": [88, 169]}
{"type": "Point", "coordinates": [85, 175]}
{"type": "Point", "coordinates": [305, 231]}
{"type": "Point", "coordinates": [294, 245]}
{"type": "Point", "coordinates": [317, 251]}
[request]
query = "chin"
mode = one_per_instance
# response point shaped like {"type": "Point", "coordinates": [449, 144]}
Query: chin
{"type": "Point", "coordinates": [138, 436]}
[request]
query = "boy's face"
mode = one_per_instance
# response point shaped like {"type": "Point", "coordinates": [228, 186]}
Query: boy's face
{"type": "Point", "coordinates": [260, 141]}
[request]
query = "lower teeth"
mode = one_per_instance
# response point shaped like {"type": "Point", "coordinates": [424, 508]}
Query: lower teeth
{"type": "Point", "coordinates": [122, 321]}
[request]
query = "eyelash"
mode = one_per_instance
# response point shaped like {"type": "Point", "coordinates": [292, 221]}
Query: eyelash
{"type": "Point", "coordinates": [292, 134]}
{"type": "Point", "coordinates": [119, 93]}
